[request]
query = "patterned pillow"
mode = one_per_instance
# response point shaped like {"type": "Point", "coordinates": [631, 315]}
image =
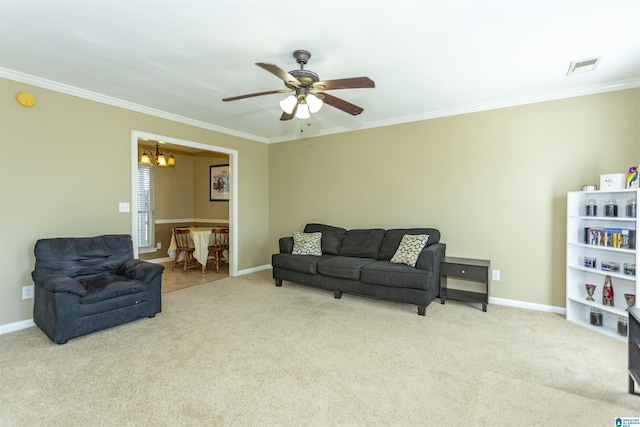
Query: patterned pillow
{"type": "Point", "coordinates": [409, 250]}
{"type": "Point", "coordinates": [307, 243]}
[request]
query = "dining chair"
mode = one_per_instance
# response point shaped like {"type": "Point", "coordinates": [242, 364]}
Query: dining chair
{"type": "Point", "coordinates": [181, 236]}
{"type": "Point", "coordinates": [219, 243]}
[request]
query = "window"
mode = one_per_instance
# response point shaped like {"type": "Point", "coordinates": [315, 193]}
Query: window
{"type": "Point", "coordinates": [146, 232]}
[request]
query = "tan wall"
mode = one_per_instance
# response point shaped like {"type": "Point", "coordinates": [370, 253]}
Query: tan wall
{"type": "Point", "coordinates": [493, 182]}
{"type": "Point", "coordinates": [66, 164]}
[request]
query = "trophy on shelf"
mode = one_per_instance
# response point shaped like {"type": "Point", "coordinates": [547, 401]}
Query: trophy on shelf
{"type": "Point", "coordinates": [590, 290]}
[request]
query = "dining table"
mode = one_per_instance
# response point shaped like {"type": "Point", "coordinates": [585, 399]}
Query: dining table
{"type": "Point", "coordinates": [200, 238]}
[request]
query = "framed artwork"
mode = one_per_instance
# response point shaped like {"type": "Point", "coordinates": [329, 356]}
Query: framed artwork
{"type": "Point", "coordinates": [219, 183]}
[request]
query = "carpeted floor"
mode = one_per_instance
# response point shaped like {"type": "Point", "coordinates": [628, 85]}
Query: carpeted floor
{"type": "Point", "coordinates": [239, 351]}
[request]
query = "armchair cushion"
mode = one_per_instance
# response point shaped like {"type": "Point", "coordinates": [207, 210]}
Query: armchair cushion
{"type": "Point", "coordinates": [101, 288]}
{"type": "Point", "coordinates": [140, 270]}
{"type": "Point", "coordinates": [54, 281]}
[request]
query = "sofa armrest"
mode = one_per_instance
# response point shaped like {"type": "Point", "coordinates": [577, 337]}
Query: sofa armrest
{"type": "Point", "coordinates": [140, 270]}
{"type": "Point", "coordinates": [54, 281]}
{"type": "Point", "coordinates": [430, 258]}
{"type": "Point", "coordinates": [286, 245]}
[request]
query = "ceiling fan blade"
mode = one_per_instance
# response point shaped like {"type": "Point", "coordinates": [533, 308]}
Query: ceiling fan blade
{"type": "Point", "coordinates": [340, 104]}
{"type": "Point", "coordinates": [287, 78]}
{"type": "Point", "coordinates": [288, 116]}
{"type": "Point", "coordinates": [251, 95]}
{"type": "Point", "coordinates": [350, 83]}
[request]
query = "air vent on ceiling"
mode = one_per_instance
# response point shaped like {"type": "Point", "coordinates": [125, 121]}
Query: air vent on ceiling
{"type": "Point", "coordinates": [584, 65]}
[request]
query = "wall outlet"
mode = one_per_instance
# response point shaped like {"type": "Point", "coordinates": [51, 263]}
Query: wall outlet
{"type": "Point", "coordinates": [158, 245]}
{"type": "Point", "coordinates": [495, 275]}
{"type": "Point", "coordinates": [27, 292]}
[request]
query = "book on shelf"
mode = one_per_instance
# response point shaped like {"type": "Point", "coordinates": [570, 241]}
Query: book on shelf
{"type": "Point", "coordinates": [610, 237]}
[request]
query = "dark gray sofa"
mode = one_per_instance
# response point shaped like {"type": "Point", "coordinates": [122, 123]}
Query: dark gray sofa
{"type": "Point", "coordinates": [87, 284]}
{"type": "Point", "coordinates": [358, 262]}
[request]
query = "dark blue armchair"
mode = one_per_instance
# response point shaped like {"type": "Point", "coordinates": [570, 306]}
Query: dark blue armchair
{"type": "Point", "coordinates": [87, 284]}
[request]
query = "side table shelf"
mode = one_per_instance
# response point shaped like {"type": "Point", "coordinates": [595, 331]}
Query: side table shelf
{"type": "Point", "coordinates": [476, 270]}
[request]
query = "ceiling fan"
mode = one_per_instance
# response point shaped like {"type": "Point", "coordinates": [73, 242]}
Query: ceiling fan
{"type": "Point", "coordinates": [304, 83]}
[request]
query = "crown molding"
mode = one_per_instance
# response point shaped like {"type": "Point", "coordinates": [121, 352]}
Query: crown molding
{"type": "Point", "coordinates": [551, 96]}
{"type": "Point", "coordinates": [92, 96]}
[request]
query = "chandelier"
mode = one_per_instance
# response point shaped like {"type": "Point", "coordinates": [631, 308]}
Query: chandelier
{"type": "Point", "coordinates": [148, 158]}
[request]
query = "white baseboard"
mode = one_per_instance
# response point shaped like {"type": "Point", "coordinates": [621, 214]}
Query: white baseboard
{"type": "Point", "coordinates": [158, 260]}
{"type": "Point", "coordinates": [254, 269]}
{"type": "Point", "coordinates": [17, 326]}
{"type": "Point", "coordinates": [527, 305]}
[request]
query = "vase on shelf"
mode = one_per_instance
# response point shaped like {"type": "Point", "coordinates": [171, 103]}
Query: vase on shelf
{"type": "Point", "coordinates": [590, 290]}
{"type": "Point", "coordinates": [607, 292]}
{"type": "Point", "coordinates": [631, 300]}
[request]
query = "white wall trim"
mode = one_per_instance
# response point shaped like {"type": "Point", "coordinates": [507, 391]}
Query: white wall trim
{"type": "Point", "coordinates": [81, 93]}
{"type": "Point", "coordinates": [528, 305]}
{"type": "Point", "coordinates": [176, 220]}
{"type": "Point", "coordinates": [233, 198]}
{"type": "Point", "coordinates": [104, 99]}
{"type": "Point", "coordinates": [17, 326]}
{"type": "Point", "coordinates": [254, 269]}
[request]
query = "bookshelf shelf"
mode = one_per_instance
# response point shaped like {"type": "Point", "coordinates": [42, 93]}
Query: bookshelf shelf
{"type": "Point", "coordinates": [591, 242]}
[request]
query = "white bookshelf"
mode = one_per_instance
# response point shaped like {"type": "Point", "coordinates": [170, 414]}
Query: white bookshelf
{"type": "Point", "coordinates": [578, 308]}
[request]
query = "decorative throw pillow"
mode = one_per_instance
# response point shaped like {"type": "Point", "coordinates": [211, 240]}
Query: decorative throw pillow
{"type": "Point", "coordinates": [307, 243]}
{"type": "Point", "coordinates": [409, 250]}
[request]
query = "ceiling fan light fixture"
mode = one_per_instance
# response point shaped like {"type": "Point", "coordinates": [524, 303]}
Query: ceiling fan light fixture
{"type": "Point", "coordinates": [314, 103]}
{"type": "Point", "coordinates": [303, 111]}
{"type": "Point", "coordinates": [288, 104]}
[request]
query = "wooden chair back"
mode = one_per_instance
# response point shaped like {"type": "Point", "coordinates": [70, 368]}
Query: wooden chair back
{"type": "Point", "coordinates": [182, 238]}
{"type": "Point", "coordinates": [219, 238]}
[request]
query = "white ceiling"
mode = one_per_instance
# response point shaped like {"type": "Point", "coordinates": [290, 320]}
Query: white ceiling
{"type": "Point", "coordinates": [178, 59]}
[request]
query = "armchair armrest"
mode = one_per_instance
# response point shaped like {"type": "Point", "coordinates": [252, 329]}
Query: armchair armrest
{"type": "Point", "coordinates": [430, 258]}
{"type": "Point", "coordinates": [54, 281]}
{"type": "Point", "coordinates": [140, 270]}
{"type": "Point", "coordinates": [286, 245]}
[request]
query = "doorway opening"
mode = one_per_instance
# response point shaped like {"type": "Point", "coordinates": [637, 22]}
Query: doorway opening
{"type": "Point", "coordinates": [233, 190]}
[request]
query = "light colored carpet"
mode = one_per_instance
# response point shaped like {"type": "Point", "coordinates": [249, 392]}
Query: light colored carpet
{"type": "Point", "coordinates": [240, 351]}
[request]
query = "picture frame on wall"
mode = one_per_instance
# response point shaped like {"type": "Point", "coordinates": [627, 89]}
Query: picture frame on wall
{"type": "Point", "coordinates": [219, 183]}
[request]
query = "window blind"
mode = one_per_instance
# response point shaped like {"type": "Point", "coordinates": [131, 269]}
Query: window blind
{"type": "Point", "coordinates": [146, 233]}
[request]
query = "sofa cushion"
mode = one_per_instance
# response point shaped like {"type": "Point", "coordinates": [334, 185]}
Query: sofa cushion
{"type": "Point", "coordinates": [306, 243]}
{"type": "Point", "coordinates": [363, 243]}
{"type": "Point", "coordinates": [299, 263]}
{"type": "Point", "coordinates": [105, 287]}
{"type": "Point", "coordinates": [409, 249]}
{"type": "Point", "coordinates": [331, 237]}
{"type": "Point", "coordinates": [343, 267]}
{"type": "Point", "coordinates": [392, 238]}
{"type": "Point", "coordinates": [398, 275]}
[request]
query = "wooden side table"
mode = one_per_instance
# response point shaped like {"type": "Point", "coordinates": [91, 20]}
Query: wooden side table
{"type": "Point", "coordinates": [476, 270]}
{"type": "Point", "coordinates": [634, 349]}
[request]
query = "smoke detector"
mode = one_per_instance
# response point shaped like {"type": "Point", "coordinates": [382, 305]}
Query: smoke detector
{"type": "Point", "coordinates": [584, 65]}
